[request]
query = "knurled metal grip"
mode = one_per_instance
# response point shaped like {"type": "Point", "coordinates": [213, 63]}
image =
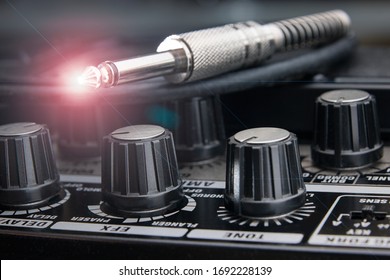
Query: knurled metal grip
{"type": "Point", "coordinates": [213, 51]}
{"type": "Point", "coordinates": [313, 29]}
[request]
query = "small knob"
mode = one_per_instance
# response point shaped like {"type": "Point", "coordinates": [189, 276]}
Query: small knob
{"type": "Point", "coordinates": [197, 127]}
{"type": "Point", "coordinates": [140, 174]}
{"type": "Point", "coordinates": [79, 130]}
{"type": "Point", "coordinates": [263, 174]}
{"type": "Point", "coordinates": [28, 173]}
{"type": "Point", "coordinates": [347, 133]}
{"type": "Point", "coordinates": [81, 127]}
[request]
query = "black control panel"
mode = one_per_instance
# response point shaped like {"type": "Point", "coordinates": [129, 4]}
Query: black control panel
{"type": "Point", "coordinates": [340, 218]}
{"type": "Point", "coordinates": [259, 194]}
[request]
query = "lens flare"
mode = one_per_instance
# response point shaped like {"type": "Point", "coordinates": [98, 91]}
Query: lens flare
{"type": "Point", "coordinates": [90, 77]}
{"type": "Point", "coordinates": [73, 85]}
{"type": "Point", "coordinates": [80, 80]}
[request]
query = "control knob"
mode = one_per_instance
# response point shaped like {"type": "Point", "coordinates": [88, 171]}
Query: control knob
{"type": "Point", "coordinates": [264, 176]}
{"type": "Point", "coordinates": [28, 173]}
{"type": "Point", "coordinates": [197, 127]}
{"type": "Point", "coordinates": [346, 129]}
{"type": "Point", "coordinates": [139, 172]}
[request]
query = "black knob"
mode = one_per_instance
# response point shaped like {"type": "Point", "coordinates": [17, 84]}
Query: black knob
{"type": "Point", "coordinates": [81, 128]}
{"type": "Point", "coordinates": [139, 172]}
{"type": "Point", "coordinates": [28, 173]}
{"type": "Point", "coordinates": [197, 127]}
{"type": "Point", "coordinates": [263, 174]}
{"type": "Point", "coordinates": [347, 133]}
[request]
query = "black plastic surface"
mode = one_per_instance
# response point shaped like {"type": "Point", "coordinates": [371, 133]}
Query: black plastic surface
{"type": "Point", "coordinates": [346, 134]}
{"type": "Point", "coordinates": [140, 177]}
{"type": "Point", "coordinates": [264, 179]}
{"type": "Point", "coordinates": [28, 171]}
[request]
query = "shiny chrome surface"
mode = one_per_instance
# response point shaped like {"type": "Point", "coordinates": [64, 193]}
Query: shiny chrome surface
{"type": "Point", "coordinates": [206, 53]}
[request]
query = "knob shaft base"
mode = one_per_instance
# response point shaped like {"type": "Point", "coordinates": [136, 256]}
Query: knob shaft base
{"type": "Point", "coordinates": [259, 209]}
{"type": "Point", "coordinates": [146, 206]}
{"type": "Point", "coordinates": [31, 198]}
{"type": "Point", "coordinates": [347, 161]}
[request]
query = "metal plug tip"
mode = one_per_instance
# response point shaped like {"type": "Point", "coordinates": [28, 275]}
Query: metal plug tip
{"type": "Point", "coordinates": [90, 77]}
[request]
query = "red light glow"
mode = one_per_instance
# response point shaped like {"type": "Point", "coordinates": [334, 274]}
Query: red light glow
{"type": "Point", "coordinates": [73, 87]}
